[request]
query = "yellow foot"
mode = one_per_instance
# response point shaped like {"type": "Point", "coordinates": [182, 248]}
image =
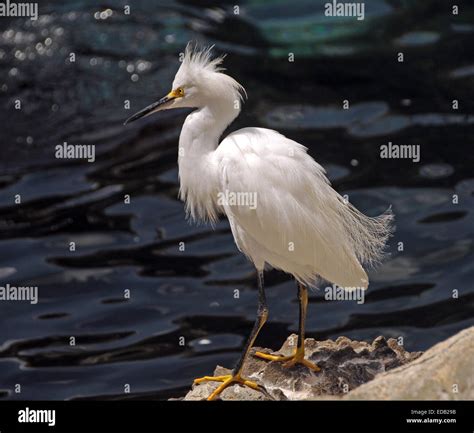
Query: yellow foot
{"type": "Point", "coordinates": [226, 381]}
{"type": "Point", "coordinates": [289, 361]}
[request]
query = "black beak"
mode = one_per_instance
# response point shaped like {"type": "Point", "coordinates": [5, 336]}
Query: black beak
{"type": "Point", "coordinates": [148, 110]}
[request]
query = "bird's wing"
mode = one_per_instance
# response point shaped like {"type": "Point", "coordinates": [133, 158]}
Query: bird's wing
{"type": "Point", "coordinates": [299, 222]}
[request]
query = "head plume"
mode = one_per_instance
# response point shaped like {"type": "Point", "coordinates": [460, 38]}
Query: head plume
{"type": "Point", "coordinates": [200, 69]}
{"type": "Point", "coordinates": [201, 58]}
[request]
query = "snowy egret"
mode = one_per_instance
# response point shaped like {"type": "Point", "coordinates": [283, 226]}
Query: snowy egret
{"type": "Point", "coordinates": [281, 208]}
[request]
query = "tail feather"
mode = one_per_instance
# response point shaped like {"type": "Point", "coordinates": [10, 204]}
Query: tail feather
{"type": "Point", "coordinates": [368, 235]}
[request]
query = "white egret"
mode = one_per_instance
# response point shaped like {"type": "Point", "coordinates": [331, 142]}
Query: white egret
{"type": "Point", "coordinates": [298, 222]}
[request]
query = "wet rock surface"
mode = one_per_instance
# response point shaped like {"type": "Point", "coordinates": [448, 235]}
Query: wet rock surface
{"type": "Point", "coordinates": [345, 365]}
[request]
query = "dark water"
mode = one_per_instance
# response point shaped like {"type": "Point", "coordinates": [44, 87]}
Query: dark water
{"type": "Point", "coordinates": [135, 246]}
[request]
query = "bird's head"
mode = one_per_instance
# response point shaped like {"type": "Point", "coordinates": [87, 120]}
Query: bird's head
{"type": "Point", "coordinates": [200, 81]}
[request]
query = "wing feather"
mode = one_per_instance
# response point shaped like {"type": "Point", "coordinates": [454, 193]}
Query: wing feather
{"type": "Point", "coordinates": [299, 224]}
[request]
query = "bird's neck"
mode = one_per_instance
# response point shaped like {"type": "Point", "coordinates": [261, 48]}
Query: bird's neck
{"type": "Point", "coordinates": [203, 128]}
{"type": "Point", "coordinates": [199, 139]}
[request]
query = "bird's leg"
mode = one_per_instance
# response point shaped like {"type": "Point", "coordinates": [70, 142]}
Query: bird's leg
{"type": "Point", "coordinates": [236, 376]}
{"type": "Point", "coordinates": [298, 356]}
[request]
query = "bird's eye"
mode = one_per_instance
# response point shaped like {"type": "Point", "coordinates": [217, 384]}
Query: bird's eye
{"type": "Point", "coordinates": [180, 91]}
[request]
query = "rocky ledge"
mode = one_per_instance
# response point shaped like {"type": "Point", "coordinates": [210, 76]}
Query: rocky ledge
{"type": "Point", "coordinates": [359, 370]}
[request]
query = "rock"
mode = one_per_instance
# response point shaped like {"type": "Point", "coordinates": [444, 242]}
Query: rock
{"type": "Point", "coordinates": [444, 369]}
{"type": "Point", "coordinates": [345, 365]}
{"type": "Point", "coordinates": [357, 370]}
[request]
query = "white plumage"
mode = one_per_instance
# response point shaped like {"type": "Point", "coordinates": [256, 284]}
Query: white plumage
{"type": "Point", "coordinates": [300, 224]}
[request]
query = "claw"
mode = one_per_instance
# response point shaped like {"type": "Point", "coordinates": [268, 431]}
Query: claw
{"type": "Point", "coordinates": [226, 380]}
{"type": "Point", "coordinates": [289, 361]}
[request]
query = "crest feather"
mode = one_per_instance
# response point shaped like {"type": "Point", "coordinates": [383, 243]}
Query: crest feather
{"type": "Point", "coordinates": [199, 65]}
{"type": "Point", "coordinates": [195, 57]}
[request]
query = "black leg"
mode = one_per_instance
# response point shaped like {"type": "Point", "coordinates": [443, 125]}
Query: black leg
{"type": "Point", "coordinates": [262, 314]}
{"type": "Point", "coordinates": [303, 299]}
{"type": "Point", "coordinates": [298, 356]}
{"type": "Point", "coordinates": [236, 377]}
